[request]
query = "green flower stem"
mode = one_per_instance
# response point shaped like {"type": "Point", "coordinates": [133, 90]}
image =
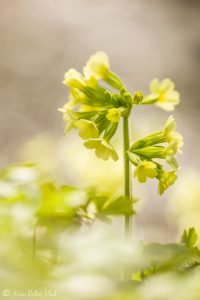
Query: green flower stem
{"type": "Point", "coordinates": [127, 185]}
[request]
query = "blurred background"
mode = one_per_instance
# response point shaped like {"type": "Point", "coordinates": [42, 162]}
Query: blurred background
{"type": "Point", "coordinates": [40, 40]}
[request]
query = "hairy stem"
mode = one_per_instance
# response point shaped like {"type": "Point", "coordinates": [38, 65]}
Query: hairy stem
{"type": "Point", "coordinates": [127, 184]}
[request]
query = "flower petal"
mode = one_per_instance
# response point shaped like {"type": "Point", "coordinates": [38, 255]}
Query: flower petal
{"type": "Point", "coordinates": [154, 86]}
{"type": "Point", "coordinates": [166, 85]}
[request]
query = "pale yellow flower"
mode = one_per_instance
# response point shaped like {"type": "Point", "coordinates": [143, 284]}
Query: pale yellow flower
{"type": "Point", "coordinates": [73, 79]}
{"type": "Point", "coordinates": [164, 92]}
{"type": "Point", "coordinates": [173, 137]}
{"type": "Point", "coordinates": [103, 149]}
{"type": "Point", "coordinates": [146, 169]}
{"type": "Point", "coordinates": [87, 129]}
{"type": "Point", "coordinates": [165, 180]}
{"type": "Point", "coordinates": [71, 103]}
{"type": "Point", "coordinates": [170, 124]}
{"type": "Point", "coordinates": [97, 66]}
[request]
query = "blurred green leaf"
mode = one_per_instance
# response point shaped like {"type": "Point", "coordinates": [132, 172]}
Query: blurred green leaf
{"type": "Point", "coordinates": [106, 206]}
{"type": "Point", "coordinates": [160, 259]}
{"type": "Point", "coordinates": [189, 237]}
{"type": "Point", "coordinates": [117, 207]}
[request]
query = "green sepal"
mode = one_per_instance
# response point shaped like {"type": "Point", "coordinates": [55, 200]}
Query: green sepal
{"type": "Point", "coordinates": [151, 152]}
{"type": "Point", "coordinates": [113, 80]}
{"type": "Point", "coordinates": [149, 99]}
{"type": "Point", "coordinates": [110, 131]}
{"type": "Point", "coordinates": [81, 115]}
{"type": "Point", "coordinates": [97, 97]}
{"type": "Point", "coordinates": [134, 159]}
{"type": "Point", "coordinates": [150, 140]}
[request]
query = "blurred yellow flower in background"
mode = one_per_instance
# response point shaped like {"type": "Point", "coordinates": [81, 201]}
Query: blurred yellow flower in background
{"type": "Point", "coordinates": [184, 204]}
{"type": "Point", "coordinates": [68, 162]}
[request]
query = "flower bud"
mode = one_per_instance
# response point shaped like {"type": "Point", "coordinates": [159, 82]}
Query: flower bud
{"type": "Point", "coordinates": [113, 115]}
{"type": "Point", "coordinates": [138, 97]}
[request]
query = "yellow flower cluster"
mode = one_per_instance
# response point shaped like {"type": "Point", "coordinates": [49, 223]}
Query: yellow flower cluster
{"type": "Point", "coordinates": [160, 145]}
{"type": "Point", "coordinates": [92, 109]}
{"type": "Point", "coordinates": [95, 109]}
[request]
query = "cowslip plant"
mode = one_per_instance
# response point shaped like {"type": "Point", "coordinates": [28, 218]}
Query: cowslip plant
{"type": "Point", "coordinates": [98, 100]}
